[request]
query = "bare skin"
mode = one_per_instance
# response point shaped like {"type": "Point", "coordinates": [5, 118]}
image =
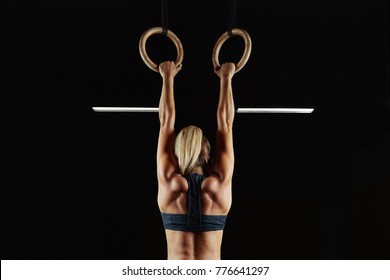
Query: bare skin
{"type": "Point", "coordinates": [216, 188]}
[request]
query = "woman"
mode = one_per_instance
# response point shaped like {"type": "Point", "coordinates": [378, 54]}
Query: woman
{"type": "Point", "coordinates": [194, 204]}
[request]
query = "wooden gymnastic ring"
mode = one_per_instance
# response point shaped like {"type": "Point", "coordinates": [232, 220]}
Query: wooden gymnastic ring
{"type": "Point", "coordinates": [248, 48]}
{"type": "Point", "coordinates": [170, 35]}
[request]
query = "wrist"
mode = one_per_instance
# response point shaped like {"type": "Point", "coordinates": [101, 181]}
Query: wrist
{"type": "Point", "coordinates": [168, 78]}
{"type": "Point", "coordinates": [226, 78]}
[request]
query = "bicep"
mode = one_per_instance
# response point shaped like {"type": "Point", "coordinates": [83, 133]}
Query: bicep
{"type": "Point", "coordinates": [223, 164]}
{"type": "Point", "coordinates": [166, 160]}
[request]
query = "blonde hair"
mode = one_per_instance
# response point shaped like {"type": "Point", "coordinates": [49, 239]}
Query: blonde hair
{"type": "Point", "coordinates": [191, 149]}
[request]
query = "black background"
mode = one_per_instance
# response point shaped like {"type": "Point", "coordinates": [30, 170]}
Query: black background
{"type": "Point", "coordinates": [83, 184]}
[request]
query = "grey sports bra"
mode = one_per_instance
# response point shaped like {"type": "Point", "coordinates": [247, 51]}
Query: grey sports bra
{"type": "Point", "coordinates": [194, 220]}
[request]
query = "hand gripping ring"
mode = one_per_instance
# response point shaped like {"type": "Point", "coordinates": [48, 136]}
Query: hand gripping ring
{"type": "Point", "coordinates": [170, 35]}
{"type": "Point", "coordinates": [223, 38]}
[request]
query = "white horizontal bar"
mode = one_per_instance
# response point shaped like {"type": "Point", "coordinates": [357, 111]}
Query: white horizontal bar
{"type": "Point", "coordinates": [276, 110]}
{"type": "Point", "coordinates": [125, 109]}
{"type": "Point", "coordinates": [239, 110]}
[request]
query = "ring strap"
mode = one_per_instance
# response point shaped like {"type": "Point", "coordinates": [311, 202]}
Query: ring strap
{"type": "Point", "coordinates": [232, 15]}
{"type": "Point", "coordinates": [164, 17]}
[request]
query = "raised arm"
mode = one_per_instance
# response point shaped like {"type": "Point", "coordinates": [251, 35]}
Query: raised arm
{"type": "Point", "coordinates": [166, 161]}
{"type": "Point", "coordinates": [223, 164]}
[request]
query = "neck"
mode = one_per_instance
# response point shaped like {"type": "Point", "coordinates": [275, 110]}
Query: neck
{"type": "Point", "coordinates": [198, 170]}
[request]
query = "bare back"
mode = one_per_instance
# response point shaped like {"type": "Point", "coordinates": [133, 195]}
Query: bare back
{"type": "Point", "coordinates": [216, 200]}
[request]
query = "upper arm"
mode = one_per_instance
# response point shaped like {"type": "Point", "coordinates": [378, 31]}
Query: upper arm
{"type": "Point", "coordinates": [166, 161]}
{"type": "Point", "coordinates": [223, 164]}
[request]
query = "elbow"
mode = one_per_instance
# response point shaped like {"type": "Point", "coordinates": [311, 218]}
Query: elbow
{"type": "Point", "coordinates": [225, 120]}
{"type": "Point", "coordinates": [224, 176]}
{"type": "Point", "coordinates": [167, 117]}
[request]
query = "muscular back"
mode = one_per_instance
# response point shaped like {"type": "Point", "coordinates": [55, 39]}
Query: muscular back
{"type": "Point", "coordinates": [216, 200]}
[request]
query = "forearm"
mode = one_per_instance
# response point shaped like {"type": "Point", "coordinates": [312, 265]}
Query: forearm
{"type": "Point", "coordinates": [226, 109]}
{"type": "Point", "coordinates": [167, 103]}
